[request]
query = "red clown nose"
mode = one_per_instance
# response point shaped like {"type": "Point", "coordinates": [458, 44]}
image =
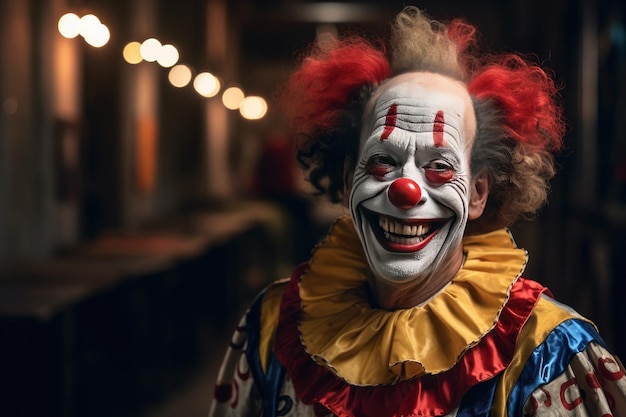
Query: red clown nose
{"type": "Point", "coordinates": [404, 193]}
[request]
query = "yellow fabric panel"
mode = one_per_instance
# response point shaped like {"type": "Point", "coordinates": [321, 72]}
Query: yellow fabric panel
{"type": "Point", "coordinates": [546, 316]}
{"type": "Point", "coordinates": [270, 309]}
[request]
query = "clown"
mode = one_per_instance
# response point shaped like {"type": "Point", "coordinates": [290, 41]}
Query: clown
{"type": "Point", "coordinates": [415, 304]}
{"type": "Point", "coordinates": [411, 190]}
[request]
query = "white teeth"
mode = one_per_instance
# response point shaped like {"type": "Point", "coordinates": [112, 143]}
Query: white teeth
{"type": "Point", "coordinates": [409, 233]}
{"type": "Point", "coordinates": [403, 240]}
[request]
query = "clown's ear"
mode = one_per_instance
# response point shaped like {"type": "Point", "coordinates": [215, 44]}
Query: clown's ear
{"type": "Point", "coordinates": [479, 191]}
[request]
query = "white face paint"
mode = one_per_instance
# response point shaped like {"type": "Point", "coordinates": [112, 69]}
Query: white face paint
{"type": "Point", "coordinates": [418, 127]}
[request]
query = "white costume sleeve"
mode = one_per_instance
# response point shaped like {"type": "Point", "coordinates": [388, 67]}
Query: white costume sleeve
{"type": "Point", "coordinates": [235, 394]}
{"type": "Point", "coordinates": [593, 385]}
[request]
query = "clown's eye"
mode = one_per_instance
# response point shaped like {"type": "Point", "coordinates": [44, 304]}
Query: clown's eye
{"type": "Point", "coordinates": [380, 165]}
{"type": "Point", "coordinates": [439, 172]}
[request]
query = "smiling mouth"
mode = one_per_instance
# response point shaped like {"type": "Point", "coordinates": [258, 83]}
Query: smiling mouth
{"type": "Point", "coordinates": [398, 235]}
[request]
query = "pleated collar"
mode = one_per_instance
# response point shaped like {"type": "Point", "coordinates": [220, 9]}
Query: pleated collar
{"type": "Point", "coordinates": [368, 346]}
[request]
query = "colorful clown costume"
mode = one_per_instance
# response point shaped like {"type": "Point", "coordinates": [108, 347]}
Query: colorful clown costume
{"type": "Point", "coordinates": [491, 343]}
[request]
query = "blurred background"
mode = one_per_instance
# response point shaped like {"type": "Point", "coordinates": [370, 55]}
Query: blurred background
{"type": "Point", "coordinates": [148, 189]}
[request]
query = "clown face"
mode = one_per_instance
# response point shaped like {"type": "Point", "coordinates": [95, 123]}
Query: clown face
{"type": "Point", "coordinates": [410, 191]}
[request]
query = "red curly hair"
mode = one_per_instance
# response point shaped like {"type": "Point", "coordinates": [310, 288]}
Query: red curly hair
{"type": "Point", "coordinates": [320, 89]}
{"type": "Point", "coordinates": [525, 94]}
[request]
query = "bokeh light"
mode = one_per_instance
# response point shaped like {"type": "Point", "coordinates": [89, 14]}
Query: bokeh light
{"type": "Point", "coordinates": [206, 84]}
{"type": "Point", "coordinates": [232, 98]}
{"type": "Point", "coordinates": [131, 53]}
{"type": "Point", "coordinates": [97, 36]}
{"type": "Point", "coordinates": [150, 49]}
{"type": "Point", "coordinates": [69, 25]}
{"type": "Point", "coordinates": [87, 24]}
{"type": "Point", "coordinates": [89, 27]}
{"type": "Point", "coordinates": [167, 56]}
{"type": "Point", "coordinates": [179, 76]}
{"type": "Point", "coordinates": [253, 107]}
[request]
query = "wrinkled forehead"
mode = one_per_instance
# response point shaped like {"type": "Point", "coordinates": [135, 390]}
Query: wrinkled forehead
{"type": "Point", "coordinates": [422, 102]}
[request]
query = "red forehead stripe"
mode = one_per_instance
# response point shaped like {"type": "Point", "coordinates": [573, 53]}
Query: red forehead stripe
{"type": "Point", "coordinates": [392, 118]}
{"type": "Point", "coordinates": [390, 122]}
{"type": "Point", "coordinates": [438, 129]}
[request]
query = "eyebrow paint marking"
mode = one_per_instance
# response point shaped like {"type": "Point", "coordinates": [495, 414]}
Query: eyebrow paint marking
{"type": "Point", "coordinates": [438, 129]}
{"type": "Point", "coordinates": [390, 122]}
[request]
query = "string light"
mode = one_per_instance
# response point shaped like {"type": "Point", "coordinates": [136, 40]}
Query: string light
{"type": "Point", "coordinates": [150, 49]}
{"type": "Point", "coordinates": [168, 56]}
{"type": "Point", "coordinates": [179, 76]}
{"type": "Point", "coordinates": [232, 98]}
{"type": "Point", "coordinates": [89, 27]}
{"type": "Point", "coordinates": [132, 53]}
{"type": "Point", "coordinates": [69, 25]}
{"type": "Point", "coordinates": [253, 107]}
{"type": "Point", "coordinates": [206, 84]}
{"type": "Point", "coordinates": [97, 34]}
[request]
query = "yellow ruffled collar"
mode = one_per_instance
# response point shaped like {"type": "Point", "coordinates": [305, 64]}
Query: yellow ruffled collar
{"type": "Point", "coordinates": [368, 346]}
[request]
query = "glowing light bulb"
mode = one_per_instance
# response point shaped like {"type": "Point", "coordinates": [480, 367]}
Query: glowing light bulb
{"type": "Point", "coordinates": [98, 36]}
{"type": "Point", "coordinates": [179, 76]}
{"type": "Point", "coordinates": [253, 107]}
{"type": "Point", "coordinates": [87, 24]}
{"type": "Point", "coordinates": [150, 49]}
{"type": "Point", "coordinates": [232, 98]}
{"type": "Point", "coordinates": [168, 56]}
{"type": "Point", "coordinates": [131, 53]}
{"type": "Point", "coordinates": [69, 25]}
{"type": "Point", "coordinates": [206, 84]}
